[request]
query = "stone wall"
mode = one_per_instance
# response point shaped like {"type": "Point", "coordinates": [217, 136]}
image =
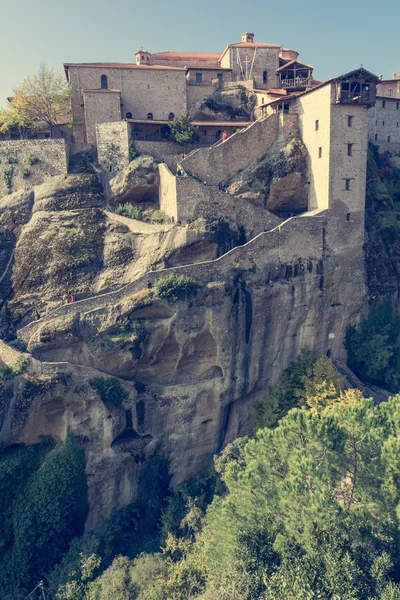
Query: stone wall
{"type": "Point", "coordinates": [384, 124]}
{"type": "Point", "coordinates": [222, 161]}
{"type": "Point", "coordinates": [25, 163]}
{"type": "Point", "coordinates": [158, 90]}
{"type": "Point", "coordinates": [112, 145]}
{"type": "Point", "coordinates": [101, 106]}
{"type": "Point", "coordinates": [167, 193]}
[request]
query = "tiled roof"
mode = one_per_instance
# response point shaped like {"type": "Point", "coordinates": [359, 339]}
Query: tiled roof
{"type": "Point", "coordinates": [196, 123]}
{"type": "Point", "coordinates": [122, 66]}
{"type": "Point", "coordinates": [294, 62]}
{"type": "Point", "coordinates": [199, 55]}
{"type": "Point", "coordinates": [101, 91]}
{"type": "Point", "coordinates": [253, 45]}
{"type": "Point", "coordinates": [272, 91]}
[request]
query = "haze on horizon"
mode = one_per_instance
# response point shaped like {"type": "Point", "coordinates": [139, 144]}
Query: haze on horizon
{"type": "Point", "coordinates": [334, 38]}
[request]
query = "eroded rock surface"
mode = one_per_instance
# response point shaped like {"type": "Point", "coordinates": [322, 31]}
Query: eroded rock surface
{"type": "Point", "coordinates": [138, 182]}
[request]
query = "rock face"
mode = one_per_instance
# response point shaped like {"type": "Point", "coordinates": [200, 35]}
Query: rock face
{"type": "Point", "coordinates": [191, 367]}
{"type": "Point", "coordinates": [235, 103]}
{"type": "Point", "coordinates": [138, 182]}
{"type": "Point", "coordinates": [277, 180]}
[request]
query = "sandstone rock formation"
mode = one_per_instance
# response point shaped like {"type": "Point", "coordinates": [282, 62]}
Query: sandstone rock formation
{"type": "Point", "coordinates": [235, 103]}
{"type": "Point", "coordinates": [138, 182]}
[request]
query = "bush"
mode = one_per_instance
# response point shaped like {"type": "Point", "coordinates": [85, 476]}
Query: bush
{"type": "Point", "coordinates": [18, 368]}
{"type": "Point", "coordinates": [175, 287]}
{"type": "Point", "coordinates": [182, 131]}
{"type": "Point", "coordinates": [128, 210]}
{"type": "Point", "coordinates": [32, 160]}
{"type": "Point", "coordinates": [25, 173]}
{"type": "Point", "coordinates": [8, 177]}
{"type": "Point", "coordinates": [133, 153]}
{"type": "Point", "coordinates": [109, 389]}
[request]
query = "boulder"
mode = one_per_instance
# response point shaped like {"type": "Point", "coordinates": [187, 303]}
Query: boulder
{"type": "Point", "coordinates": [138, 182]}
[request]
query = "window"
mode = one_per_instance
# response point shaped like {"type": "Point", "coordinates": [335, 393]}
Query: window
{"type": "Point", "coordinates": [128, 115]}
{"type": "Point", "coordinates": [316, 125]}
{"type": "Point", "coordinates": [376, 137]}
{"type": "Point", "coordinates": [347, 184]}
{"type": "Point", "coordinates": [388, 138]}
{"type": "Point", "coordinates": [265, 77]}
{"type": "Point", "coordinates": [348, 217]}
{"type": "Point", "coordinates": [397, 124]}
{"type": "Point", "coordinates": [220, 76]}
{"type": "Point", "coordinates": [104, 82]}
{"type": "Point", "coordinates": [171, 116]}
{"type": "Point", "coordinates": [398, 105]}
{"type": "Point", "coordinates": [390, 92]}
{"type": "Point", "coordinates": [199, 77]}
{"type": "Point", "coordinates": [262, 100]}
{"type": "Point", "coordinates": [383, 123]}
{"type": "Point", "coordinates": [319, 152]}
{"type": "Point", "coordinates": [349, 149]}
{"type": "Point", "coordinates": [349, 121]}
{"type": "Point", "coordinates": [383, 103]}
{"type": "Point", "coordinates": [376, 122]}
{"type": "Point", "coordinates": [150, 116]}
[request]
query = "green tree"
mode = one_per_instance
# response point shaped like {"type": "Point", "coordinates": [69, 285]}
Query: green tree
{"type": "Point", "coordinates": [182, 131]}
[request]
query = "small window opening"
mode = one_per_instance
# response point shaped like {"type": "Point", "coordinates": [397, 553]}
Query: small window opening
{"type": "Point", "coordinates": [171, 116]}
{"type": "Point", "coordinates": [348, 217]}
{"type": "Point", "coordinates": [383, 103]}
{"type": "Point", "coordinates": [316, 125]}
{"type": "Point", "coordinates": [398, 105]}
{"type": "Point", "coordinates": [376, 137]}
{"type": "Point", "coordinates": [199, 77]}
{"type": "Point", "coordinates": [350, 121]}
{"type": "Point", "coordinates": [104, 82]}
{"type": "Point", "coordinates": [390, 92]}
{"type": "Point", "coordinates": [220, 76]}
{"type": "Point", "coordinates": [383, 123]}
{"type": "Point", "coordinates": [320, 152]}
{"type": "Point", "coordinates": [349, 149]}
{"type": "Point", "coordinates": [150, 116]}
{"type": "Point", "coordinates": [347, 183]}
{"type": "Point", "coordinates": [388, 138]}
{"type": "Point", "coordinates": [265, 77]}
{"type": "Point", "coordinates": [128, 115]}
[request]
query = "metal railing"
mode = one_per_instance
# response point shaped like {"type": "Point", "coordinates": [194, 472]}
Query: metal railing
{"type": "Point", "coordinates": [294, 83]}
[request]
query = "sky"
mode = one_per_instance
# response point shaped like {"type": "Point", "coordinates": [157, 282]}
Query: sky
{"type": "Point", "coordinates": [334, 37]}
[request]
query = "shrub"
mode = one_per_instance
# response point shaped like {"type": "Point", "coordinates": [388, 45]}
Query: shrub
{"type": "Point", "coordinates": [133, 153]}
{"type": "Point", "coordinates": [175, 287]}
{"type": "Point", "coordinates": [32, 160]}
{"type": "Point", "coordinates": [25, 173]}
{"type": "Point", "coordinates": [18, 368]}
{"type": "Point", "coordinates": [128, 210]}
{"type": "Point", "coordinates": [155, 216]}
{"type": "Point", "coordinates": [109, 389]}
{"type": "Point", "coordinates": [182, 131]}
{"type": "Point", "coordinates": [8, 177]}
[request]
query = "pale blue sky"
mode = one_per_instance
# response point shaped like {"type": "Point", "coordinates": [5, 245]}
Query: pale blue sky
{"type": "Point", "coordinates": [334, 38]}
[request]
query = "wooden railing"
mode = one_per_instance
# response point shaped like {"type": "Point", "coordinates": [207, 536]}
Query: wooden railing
{"type": "Point", "coordinates": [294, 83]}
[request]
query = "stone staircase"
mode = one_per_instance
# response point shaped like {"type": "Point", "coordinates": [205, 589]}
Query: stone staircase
{"type": "Point", "coordinates": [352, 381]}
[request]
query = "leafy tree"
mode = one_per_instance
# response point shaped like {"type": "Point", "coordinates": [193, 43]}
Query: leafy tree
{"type": "Point", "coordinates": [41, 99]}
{"type": "Point", "coordinates": [374, 347]}
{"type": "Point", "coordinates": [182, 131]}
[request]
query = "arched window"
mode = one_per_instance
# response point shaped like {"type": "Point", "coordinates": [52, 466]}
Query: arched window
{"type": "Point", "coordinates": [265, 77]}
{"type": "Point", "coordinates": [150, 115]}
{"type": "Point", "coordinates": [171, 117]}
{"type": "Point", "coordinates": [104, 82]}
{"type": "Point", "coordinates": [128, 115]}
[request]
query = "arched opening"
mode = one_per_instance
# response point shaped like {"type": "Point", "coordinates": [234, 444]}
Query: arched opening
{"type": "Point", "coordinates": [265, 77]}
{"type": "Point", "coordinates": [171, 116]}
{"type": "Point", "coordinates": [104, 82]}
{"type": "Point", "coordinates": [150, 116]}
{"type": "Point", "coordinates": [128, 115]}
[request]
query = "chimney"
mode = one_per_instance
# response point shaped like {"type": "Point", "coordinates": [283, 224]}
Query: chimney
{"type": "Point", "coordinates": [248, 37]}
{"type": "Point", "coordinates": [396, 75]}
{"type": "Point", "coordinates": [380, 76]}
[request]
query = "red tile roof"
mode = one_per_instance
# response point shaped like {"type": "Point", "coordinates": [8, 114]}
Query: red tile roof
{"type": "Point", "coordinates": [200, 55]}
{"type": "Point", "coordinates": [122, 66]}
{"type": "Point", "coordinates": [253, 45]}
{"type": "Point", "coordinates": [294, 62]}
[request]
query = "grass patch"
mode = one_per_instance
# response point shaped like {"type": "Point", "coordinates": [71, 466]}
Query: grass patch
{"type": "Point", "coordinates": [128, 210]}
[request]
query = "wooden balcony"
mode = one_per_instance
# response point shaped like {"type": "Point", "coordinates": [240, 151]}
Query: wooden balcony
{"type": "Point", "coordinates": [298, 82]}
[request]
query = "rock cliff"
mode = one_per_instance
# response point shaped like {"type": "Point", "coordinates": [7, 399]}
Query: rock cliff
{"type": "Point", "coordinates": [190, 365]}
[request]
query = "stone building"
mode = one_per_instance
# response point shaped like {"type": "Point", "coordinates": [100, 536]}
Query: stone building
{"type": "Point", "coordinates": [162, 86]}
